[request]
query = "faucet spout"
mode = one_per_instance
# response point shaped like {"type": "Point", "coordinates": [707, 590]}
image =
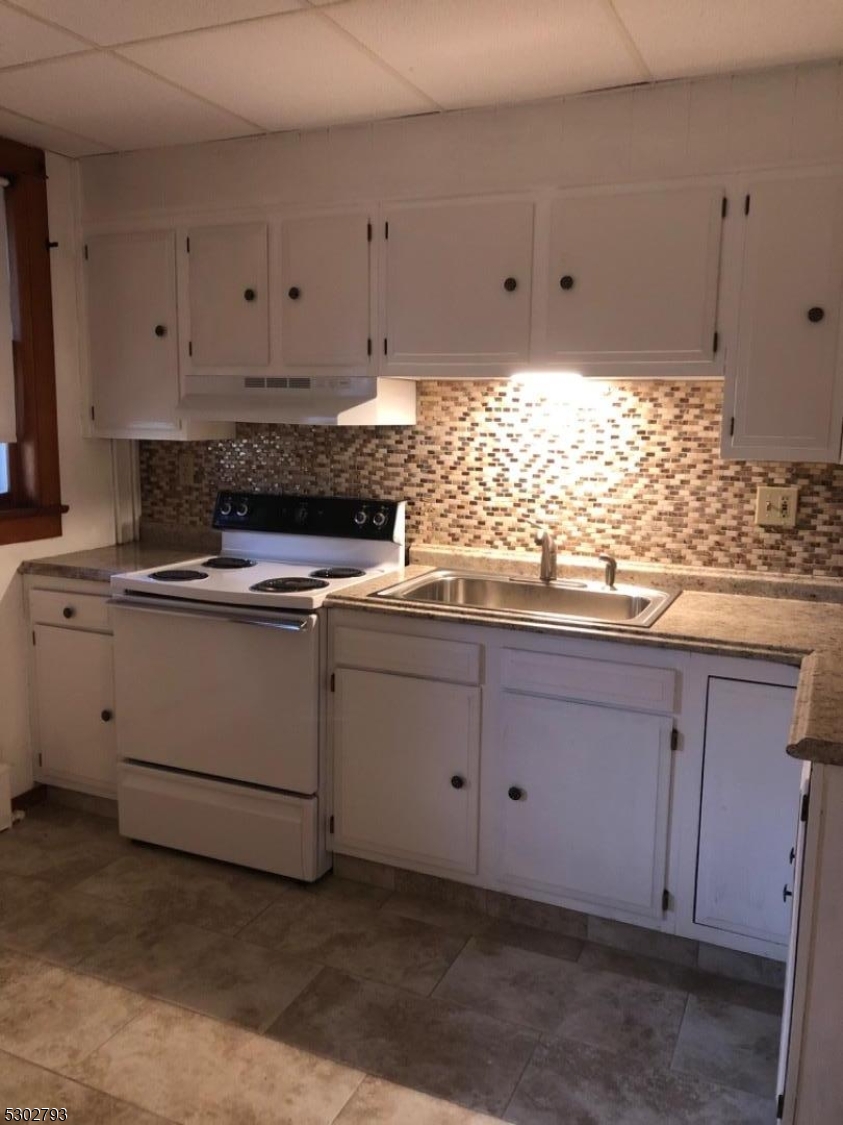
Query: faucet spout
{"type": "Point", "coordinates": [547, 569]}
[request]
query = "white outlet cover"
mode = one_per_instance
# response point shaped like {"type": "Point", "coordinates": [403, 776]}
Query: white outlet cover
{"type": "Point", "coordinates": [776, 507]}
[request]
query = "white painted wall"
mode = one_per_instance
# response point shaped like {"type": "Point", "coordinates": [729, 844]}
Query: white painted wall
{"type": "Point", "coordinates": [790, 116]}
{"type": "Point", "coordinates": [86, 478]}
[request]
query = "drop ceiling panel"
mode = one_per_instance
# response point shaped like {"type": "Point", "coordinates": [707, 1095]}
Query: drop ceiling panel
{"type": "Point", "coordinates": [24, 40]}
{"type": "Point", "coordinates": [46, 136]}
{"type": "Point", "coordinates": [112, 102]}
{"type": "Point", "coordinates": [708, 36]}
{"type": "Point", "coordinates": [120, 21]}
{"type": "Point", "coordinates": [474, 52]}
{"type": "Point", "coordinates": [292, 71]}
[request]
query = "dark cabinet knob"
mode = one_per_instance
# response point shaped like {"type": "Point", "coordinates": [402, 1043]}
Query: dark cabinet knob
{"type": "Point", "coordinates": [294, 292]}
{"type": "Point", "coordinates": [566, 281]}
{"type": "Point", "coordinates": [815, 314]}
{"type": "Point", "coordinates": [68, 612]}
{"type": "Point", "coordinates": [160, 330]}
{"type": "Point", "coordinates": [510, 285]}
{"type": "Point", "coordinates": [457, 781]}
{"type": "Point", "coordinates": [786, 893]}
{"type": "Point", "coordinates": [515, 794]}
{"type": "Point", "coordinates": [249, 294]}
{"type": "Point", "coordinates": [106, 716]}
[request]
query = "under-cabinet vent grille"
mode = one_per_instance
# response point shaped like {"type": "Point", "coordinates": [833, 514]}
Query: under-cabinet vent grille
{"type": "Point", "coordinates": [253, 382]}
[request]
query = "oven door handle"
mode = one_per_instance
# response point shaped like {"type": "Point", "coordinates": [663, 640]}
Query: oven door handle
{"type": "Point", "coordinates": [287, 624]}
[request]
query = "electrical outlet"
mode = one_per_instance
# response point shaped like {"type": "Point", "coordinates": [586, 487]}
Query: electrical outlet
{"type": "Point", "coordinates": [776, 507]}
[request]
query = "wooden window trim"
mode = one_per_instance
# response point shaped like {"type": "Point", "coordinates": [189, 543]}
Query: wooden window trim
{"type": "Point", "coordinates": [32, 509]}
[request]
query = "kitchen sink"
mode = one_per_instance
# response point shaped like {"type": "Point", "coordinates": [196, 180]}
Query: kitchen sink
{"type": "Point", "coordinates": [563, 600]}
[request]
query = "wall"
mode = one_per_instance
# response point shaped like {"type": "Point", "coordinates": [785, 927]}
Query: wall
{"type": "Point", "coordinates": [85, 475]}
{"type": "Point", "coordinates": [632, 467]}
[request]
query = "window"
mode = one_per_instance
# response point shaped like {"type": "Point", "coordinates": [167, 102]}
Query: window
{"type": "Point", "coordinates": [30, 498]}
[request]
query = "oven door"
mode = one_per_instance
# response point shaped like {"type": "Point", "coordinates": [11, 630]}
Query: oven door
{"type": "Point", "coordinates": [217, 691]}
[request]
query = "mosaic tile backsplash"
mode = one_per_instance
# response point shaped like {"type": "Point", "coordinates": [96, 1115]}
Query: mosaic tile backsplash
{"type": "Point", "coordinates": [632, 467]}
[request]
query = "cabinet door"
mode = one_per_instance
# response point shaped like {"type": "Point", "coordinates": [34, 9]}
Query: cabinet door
{"type": "Point", "coordinates": [229, 295]}
{"type": "Point", "coordinates": [585, 802]}
{"type": "Point", "coordinates": [633, 276]}
{"type": "Point", "coordinates": [133, 330]}
{"type": "Point", "coordinates": [457, 287]}
{"type": "Point", "coordinates": [74, 700]}
{"type": "Point", "coordinates": [784, 382]}
{"type": "Point", "coordinates": [406, 755]}
{"type": "Point", "coordinates": [748, 818]}
{"type": "Point", "coordinates": [325, 318]}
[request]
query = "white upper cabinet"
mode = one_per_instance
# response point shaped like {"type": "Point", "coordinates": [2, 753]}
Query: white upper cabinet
{"type": "Point", "coordinates": [631, 277]}
{"type": "Point", "coordinates": [325, 299]}
{"type": "Point", "coordinates": [456, 288]}
{"type": "Point", "coordinates": [228, 283]}
{"type": "Point", "coordinates": [784, 389]}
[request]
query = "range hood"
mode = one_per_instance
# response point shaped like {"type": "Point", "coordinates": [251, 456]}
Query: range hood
{"type": "Point", "coordinates": [324, 400]}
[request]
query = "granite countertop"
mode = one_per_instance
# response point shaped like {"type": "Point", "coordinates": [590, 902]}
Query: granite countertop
{"type": "Point", "coordinates": [99, 563]}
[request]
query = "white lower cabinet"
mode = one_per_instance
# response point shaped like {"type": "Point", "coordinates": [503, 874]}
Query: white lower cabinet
{"type": "Point", "coordinates": [406, 758]}
{"type": "Point", "coordinates": [585, 812]}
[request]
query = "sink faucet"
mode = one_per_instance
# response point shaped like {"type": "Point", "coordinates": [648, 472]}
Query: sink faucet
{"type": "Point", "coordinates": [547, 569]}
{"type": "Point", "coordinates": [611, 564]}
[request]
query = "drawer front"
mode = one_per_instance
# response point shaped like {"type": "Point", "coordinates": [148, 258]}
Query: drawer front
{"type": "Point", "coordinates": [412, 656]}
{"type": "Point", "coordinates": [592, 681]}
{"type": "Point", "coordinates": [77, 611]}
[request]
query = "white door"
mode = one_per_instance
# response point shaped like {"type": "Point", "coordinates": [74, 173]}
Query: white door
{"type": "Point", "coordinates": [584, 800]}
{"type": "Point", "coordinates": [229, 295]}
{"type": "Point", "coordinates": [406, 769]}
{"type": "Point", "coordinates": [457, 287]}
{"type": "Point", "coordinates": [325, 302]}
{"type": "Point", "coordinates": [784, 383]}
{"type": "Point", "coordinates": [133, 330]}
{"type": "Point", "coordinates": [632, 276]}
{"type": "Point", "coordinates": [74, 693]}
{"type": "Point", "coordinates": [750, 797]}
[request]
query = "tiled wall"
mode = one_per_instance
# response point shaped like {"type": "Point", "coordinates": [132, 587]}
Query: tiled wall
{"type": "Point", "coordinates": [632, 467]}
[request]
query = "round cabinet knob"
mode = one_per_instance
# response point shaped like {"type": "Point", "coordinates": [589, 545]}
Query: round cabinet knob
{"type": "Point", "coordinates": [566, 281]}
{"type": "Point", "coordinates": [225, 508]}
{"type": "Point", "coordinates": [249, 294]}
{"type": "Point", "coordinates": [361, 517]}
{"type": "Point", "coordinates": [815, 314]}
{"type": "Point", "coordinates": [160, 330]}
{"type": "Point", "coordinates": [106, 716]}
{"type": "Point", "coordinates": [514, 793]}
{"type": "Point", "coordinates": [68, 612]}
{"type": "Point", "coordinates": [379, 519]}
{"type": "Point", "coordinates": [510, 285]}
{"type": "Point", "coordinates": [457, 782]}
{"type": "Point", "coordinates": [294, 292]}
{"type": "Point", "coordinates": [786, 893]}
{"type": "Point", "coordinates": [242, 508]}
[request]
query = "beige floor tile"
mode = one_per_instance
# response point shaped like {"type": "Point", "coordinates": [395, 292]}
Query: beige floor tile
{"type": "Point", "coordinates": [436, 912]}
{"type": "Point", "coordinates": [365, 871]}
{"type": "Point", "coordinates": [540, 915]}
{"type": "Point", "coordinates": [55, 1017]}
{"type": "Point", "coordinates": [63, 863]}
{"type": "Point", "coordinates": [220, 976]}
{"type": "Point", "coordinates": [536, 941]}
{"type": "Point", "coordinates": [382, 1103]}
{"type": "Point", "coordinates": [649, 943]}
{"type": "Point", "coordinates": [19, 893]}
{"type": "Point", "coordinates": [25, 1085]}
{"type": "Point", "coordinates": [741, 966]}
{"type": "Point", "coordinates": [333, 888]}
{"type": "Point", "coordinates": [442, 890]}
{"type": "Point", "coordinates": [195, 1069]}
{"type": "Point", "coordinates": [573, 1084]}
{"type": "Point", "coordinates": [729, 1044]}
{"type": "Point", "coordinates": [560, 998]}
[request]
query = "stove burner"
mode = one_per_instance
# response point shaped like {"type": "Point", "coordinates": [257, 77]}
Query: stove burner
{"type": "Point", "coordinates": [337, 572]}
{"type": "Point", "coordinates": [288, 585]}
{"type": "Point", "coordinates": [178, 575]}
{"type": "Point", "coordinates": [228, 562]}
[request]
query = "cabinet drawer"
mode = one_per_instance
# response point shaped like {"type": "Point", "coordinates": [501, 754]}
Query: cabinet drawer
{"type": "Point", "coordinates": [592, 681]}
{"type": "Point", "coordinates": [78, 611]}
{"type": "Point", "coordinates": [412, 656]}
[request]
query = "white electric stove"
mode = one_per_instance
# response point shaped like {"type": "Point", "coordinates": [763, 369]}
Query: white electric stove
{"type": "Point", "coordinates": [220, 675]}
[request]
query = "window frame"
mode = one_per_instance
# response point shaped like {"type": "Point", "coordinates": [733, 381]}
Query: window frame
{"type": "Point", "coordinates": [32, 508]}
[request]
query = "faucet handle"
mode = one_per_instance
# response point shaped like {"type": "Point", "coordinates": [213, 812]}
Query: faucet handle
{"type": "Point", "coordinates": [611, 564]}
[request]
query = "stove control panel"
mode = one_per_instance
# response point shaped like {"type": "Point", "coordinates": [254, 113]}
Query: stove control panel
{"type": "Point", "coordinates": [344, 517]}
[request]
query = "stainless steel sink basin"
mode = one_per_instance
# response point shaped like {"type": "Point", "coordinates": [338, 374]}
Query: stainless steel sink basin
{"type": "Point", "coordinates": [583, 602]}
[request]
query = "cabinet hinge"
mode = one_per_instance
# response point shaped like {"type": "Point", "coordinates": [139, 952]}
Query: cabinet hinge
{"type": "Point", "coordinates": [384, 346]}
{"type": "Point", "coordinates": [386, 230]}
{"type": "Point", "coordinates": [51, 245]}
{"type": "Point", "coordinates": [333, 681]}
{"type": "Point", "coordinates": [190, 347]}
{"type": "Point", "coordinates": [369, 346]}
{"type": "Point", "coordinates": [779, 1107]}
{"type": "Point", "coordinates": [40, 760]}
{"type": "Point", "coordinates": [746, 205]}
{"type": "Point", "coordinates": [368, 232]}
{"type": "Point", "coordinates": [716, 342]}
{"type": "Point", "coordinates": [33, 637]}
{"type": "Point", "coordinates": [93, 413]}
{"type": "Point", "coordinates": [803, 809]}
{"type": "Point", "coordinates": [187, 244]}
{"type": "Point", "coordinates": [86, 251]}
{"type": "Point", "coordinates": [665, 901]}
{"type": "Point", "coordinates": [331, 825]}
{"type": "Point", "coordinates": [732, 427]}
{"type": "Point", "coordinates": [674, 740]}
{"type": "Point", "coordinates": [724, 207]}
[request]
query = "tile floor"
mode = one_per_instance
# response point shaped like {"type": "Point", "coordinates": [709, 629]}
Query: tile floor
{"type": "Point", "coordinates": [139, 985]}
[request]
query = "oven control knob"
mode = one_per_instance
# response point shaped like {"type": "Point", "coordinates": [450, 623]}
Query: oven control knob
{"type": "Point", "coordinates": [225, 508]}
{"type": "Point", "coordinates": [360, 517]}
{"type": "Point", "coordinates": [243, 508]}
{"type": "Point", "coordinates": [379, 519]}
